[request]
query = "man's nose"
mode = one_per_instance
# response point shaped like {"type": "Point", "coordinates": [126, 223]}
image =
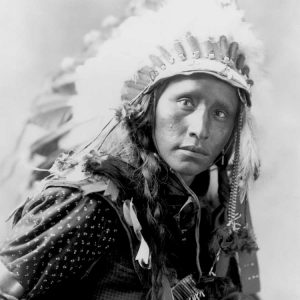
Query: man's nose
{"type": "Point", "coordinates": [198, 123]}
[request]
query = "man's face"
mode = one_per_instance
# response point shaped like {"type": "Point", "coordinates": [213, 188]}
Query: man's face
{"type": "Point", "coordinates": [195, 116]}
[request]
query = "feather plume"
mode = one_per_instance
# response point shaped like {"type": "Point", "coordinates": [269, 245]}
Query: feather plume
{"type": "Point", "coordinates": [249, 156]}
{"type": "Point", "coordinates": [100, 80]}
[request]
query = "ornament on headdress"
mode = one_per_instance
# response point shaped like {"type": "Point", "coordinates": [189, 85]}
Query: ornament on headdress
{"type": "Point", "coordinates": [219, 58]}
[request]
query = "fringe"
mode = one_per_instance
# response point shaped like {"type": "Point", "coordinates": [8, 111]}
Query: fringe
{"type": "Point", "coordinates": [208, 288]}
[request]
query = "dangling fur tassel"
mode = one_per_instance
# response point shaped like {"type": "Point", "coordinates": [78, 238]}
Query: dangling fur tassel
{"type": "Point", "coordinates": [231, 241]}
{"type": "Point", "coordinates": [223, 239]}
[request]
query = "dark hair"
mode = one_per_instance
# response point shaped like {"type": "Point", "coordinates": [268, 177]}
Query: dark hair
{"type": "Point", "coordinates": [151, 173]}
{"type": "Point", "coordinates": [148, 176]}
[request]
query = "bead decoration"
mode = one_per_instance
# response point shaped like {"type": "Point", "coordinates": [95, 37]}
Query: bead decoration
{"type": "Point", "coordinates": [77, 230]}
{"type": "Point", "coordinates": [228, 63]}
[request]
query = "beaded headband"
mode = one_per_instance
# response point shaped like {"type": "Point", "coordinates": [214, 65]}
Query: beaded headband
{"type": "Point", "coordinates": [220, 59]}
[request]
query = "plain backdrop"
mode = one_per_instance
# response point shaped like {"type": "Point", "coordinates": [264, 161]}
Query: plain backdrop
{"type": "Point", "coordinates": [36, 35]}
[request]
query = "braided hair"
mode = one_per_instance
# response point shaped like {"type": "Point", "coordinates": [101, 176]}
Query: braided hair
{"type": "Point", "coordinates": [152, 171]}
{"type": "Point", "coordinates": [150, 175]}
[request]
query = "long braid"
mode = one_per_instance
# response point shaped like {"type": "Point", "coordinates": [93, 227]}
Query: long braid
{"type": "Point", "coordinates": [225, 179]}
{"type": "Point", "coordinates": [224, 184]}
{"type": "Point", "coordinates": [151, 170]}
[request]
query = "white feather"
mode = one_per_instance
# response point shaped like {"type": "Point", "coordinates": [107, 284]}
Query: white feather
{"type": "Point", "coordinates": [99, 81]}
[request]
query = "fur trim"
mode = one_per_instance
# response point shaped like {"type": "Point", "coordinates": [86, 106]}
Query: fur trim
{"type": "Point", "coordinates": [230, 242]}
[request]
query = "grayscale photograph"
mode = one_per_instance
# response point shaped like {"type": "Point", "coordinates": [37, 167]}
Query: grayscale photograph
{"type": "Point", "coordinates": [149, 150]}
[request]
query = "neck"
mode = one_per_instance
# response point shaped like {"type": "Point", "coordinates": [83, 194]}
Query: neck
{"type": "Point", "coordinates": [187, 179]}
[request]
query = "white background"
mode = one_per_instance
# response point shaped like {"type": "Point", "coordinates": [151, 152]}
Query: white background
{"type": "Point", "coordinates": [36, 34]}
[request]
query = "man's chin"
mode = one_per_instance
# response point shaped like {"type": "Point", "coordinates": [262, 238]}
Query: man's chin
{"type": "Point", "coordinates": [189, 170]}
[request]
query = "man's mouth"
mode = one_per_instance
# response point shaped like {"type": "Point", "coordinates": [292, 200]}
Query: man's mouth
{"type": "Point", "coordinates": [195, 149]}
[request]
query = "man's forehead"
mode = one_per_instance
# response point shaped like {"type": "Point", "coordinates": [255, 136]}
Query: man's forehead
{"type": "Point", "coordinates": [198, 83]}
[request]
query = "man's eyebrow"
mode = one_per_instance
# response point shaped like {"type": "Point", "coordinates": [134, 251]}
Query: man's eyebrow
{"type": "Point", "coordinates": [224, 104]}
{"type": "Point", "coordinates": [185, 91]}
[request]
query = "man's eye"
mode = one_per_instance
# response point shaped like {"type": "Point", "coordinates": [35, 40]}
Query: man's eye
{"type": "Point", "coordinates": [185, 102]}
{"type": "Point", "coordinates": [220, 114]}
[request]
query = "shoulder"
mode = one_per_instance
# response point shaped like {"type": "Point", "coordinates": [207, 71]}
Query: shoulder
{"type": "Point", "coordinates": [59, 195]}
{"type": "Point", "coordinates": [66, 221]}
{"type": "Point", "coordinates": [85, 188]}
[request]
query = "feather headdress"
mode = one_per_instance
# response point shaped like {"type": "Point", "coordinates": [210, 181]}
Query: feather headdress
{"type": "Point", "coordinates": [181, 37]}
{"type": "Point", "coordinates": [139, 38]}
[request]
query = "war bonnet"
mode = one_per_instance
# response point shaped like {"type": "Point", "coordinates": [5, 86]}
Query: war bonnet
{"type": "Point", "coordinates": [180, 37]}
{"type": "Point", "coordinates": [183, 37]}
